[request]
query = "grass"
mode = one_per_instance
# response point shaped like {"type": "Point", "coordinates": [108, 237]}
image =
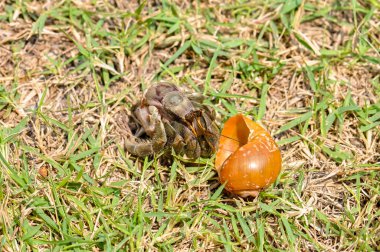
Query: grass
{"type": "Point", "coordinates": [70, 71]}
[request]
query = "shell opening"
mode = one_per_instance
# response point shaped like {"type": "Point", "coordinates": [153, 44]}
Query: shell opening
{"type": "Point", "coordinates": [237, 131]}
{"type": "Point", "coordinates": [235, 134]}
{"type": "Point", "coordinates": [242, 131]}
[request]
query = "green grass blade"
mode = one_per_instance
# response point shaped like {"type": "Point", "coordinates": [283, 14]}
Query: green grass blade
{"type": "Point", "coordinates": [295, 122]}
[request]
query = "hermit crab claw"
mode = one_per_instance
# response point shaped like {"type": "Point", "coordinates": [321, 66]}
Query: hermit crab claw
{"type": "Point", "coordinates": [154, 128]}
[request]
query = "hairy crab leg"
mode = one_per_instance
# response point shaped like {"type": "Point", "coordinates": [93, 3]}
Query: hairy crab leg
{"type": "Point", "coordinates": [207, 131]}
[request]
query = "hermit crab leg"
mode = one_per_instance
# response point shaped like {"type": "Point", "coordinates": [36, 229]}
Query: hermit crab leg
{"type": "Point", "coordinates": [158, 136]}
{"type": "Point", "coordinates": [139, 149]}
{"type": "Point", "coordinates": [174, 139]}
{"type": "Point", "coordinates": [191, 148]}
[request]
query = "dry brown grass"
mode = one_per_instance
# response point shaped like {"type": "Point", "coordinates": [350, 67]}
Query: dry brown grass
{"type": "Point", "coordinates": [75, 81]}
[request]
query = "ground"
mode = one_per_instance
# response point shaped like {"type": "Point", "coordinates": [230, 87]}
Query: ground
{"type": "Point", "coordinates": [308, 71]}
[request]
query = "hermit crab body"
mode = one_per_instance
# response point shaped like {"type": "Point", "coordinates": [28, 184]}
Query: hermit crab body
{"type": "Point", "coordinates": [167, 118]}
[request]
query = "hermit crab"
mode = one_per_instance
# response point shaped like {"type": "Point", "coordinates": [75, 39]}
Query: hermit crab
{"type": "Point", "coordinates": [169, 119]}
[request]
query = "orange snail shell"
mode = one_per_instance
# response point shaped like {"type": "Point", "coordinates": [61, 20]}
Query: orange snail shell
{"type": "Point", "coordinates": [248, 159]}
